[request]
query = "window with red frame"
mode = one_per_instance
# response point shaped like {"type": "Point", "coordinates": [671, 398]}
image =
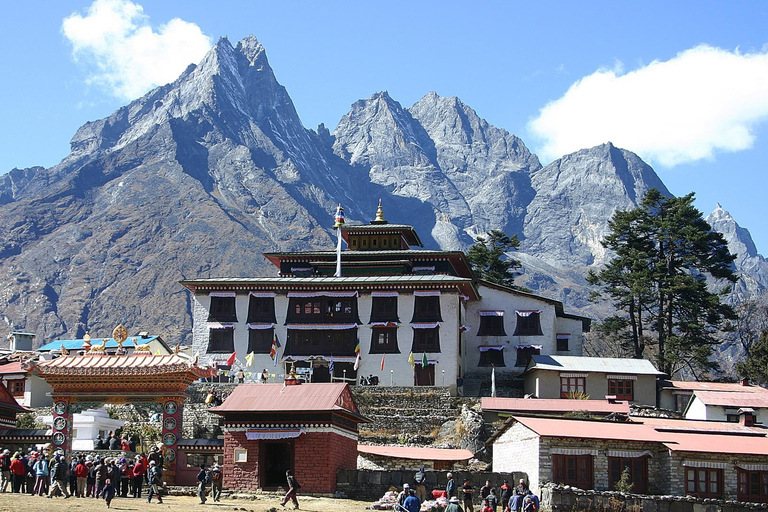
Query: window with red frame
{"type": "Point", "coordinates": [573, 470]}
{"type": "Point", "coordinates": [622, 389]}
{"type": "Point", "coordinates": [638, 472]}
{"type": "Point", "coordinates": [570, 385]}
{"type": "Point", "coordinates": [15, 387]}
{"type": "Point", "coordinates": [753, 486]}
{"type": "Point", "coordinates": [704, 482]}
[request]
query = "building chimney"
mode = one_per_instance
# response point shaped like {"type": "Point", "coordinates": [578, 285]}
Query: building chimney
{"type": "Point", "coordinates": [744, 382]}
{"type": "Point", "coordinates": [746, 417]}
{"type": "Point", "coordinates": [611, 399]}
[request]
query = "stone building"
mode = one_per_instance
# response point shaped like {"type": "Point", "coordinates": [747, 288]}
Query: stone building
{"type": "Point", "coordinates": [270, 428]}
{"type": "Point", "coordinates": [664, 456]}
{"type": "Point", "coordinates": [403, 315]}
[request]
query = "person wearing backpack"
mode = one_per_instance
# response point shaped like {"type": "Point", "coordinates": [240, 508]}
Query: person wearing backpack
{"type": "Point", "coordinates": [41, 475]}
{"type": "Point", "coordinates": [5, 470]}
{"type": "Point", "coordinates": [202, 479]}
{"type": "Point", "coordinates": [293, 486]}
{"type": "Point", "coordinates": [154, 477]}
{"type": "Point", "coordinates": [217, 479]}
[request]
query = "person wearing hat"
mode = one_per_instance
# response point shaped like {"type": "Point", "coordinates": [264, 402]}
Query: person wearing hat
{"type": "Point", "coordinates": [126, 471]}
{"type": "Point", "coordinates": [453, 505]}
{"type": "Point", "coordinates": [154, 477]}
{"type": "Point", "coordinates": [202, 479]}
{"type": "Point", "coordinates": [138, 476]}
{"type": "Point", "coordinates": [217, 479]}
{"type": "Point", "coordinates": [412, 503]}
{"type": "Point", "coordinates": [5, 470]}
{"type": "Point", "coordinates": [403, 494]}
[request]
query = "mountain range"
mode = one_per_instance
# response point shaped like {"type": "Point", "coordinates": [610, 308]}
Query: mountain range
{"type": "Point", "coordinates": [200, 176]}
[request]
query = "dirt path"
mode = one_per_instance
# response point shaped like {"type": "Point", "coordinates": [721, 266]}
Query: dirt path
{"type": "Point", "coordinates": [25, 503]}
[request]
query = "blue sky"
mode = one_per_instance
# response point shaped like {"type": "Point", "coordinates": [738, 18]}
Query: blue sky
{"type": "Point", "coordinates": [683, 84]}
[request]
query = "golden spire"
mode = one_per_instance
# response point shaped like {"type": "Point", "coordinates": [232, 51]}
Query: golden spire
{"type": "Point", "coordinates": [379, 215]}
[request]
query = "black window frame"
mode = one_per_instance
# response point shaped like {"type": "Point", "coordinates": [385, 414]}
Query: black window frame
{"type": "Point", "coordinates": [221, 341]}
{"type": "Point", "coordinates": [563, 344]}
{"type": "Point", "coordinates": [384, 309]}
{"type": "Point", "coordinates": [323, 309]}
{"type": "Point", "coordinates": [426, 340]}
{"type": "Point", "coordinates": [697, 472]}
{"type": "Point", "coordinates": [524, 355]}
{"type": "Point", "coordinates": [426, 308]}
{"type": "Point", "coordinates": [491, 325]}
{"type": "Point", "coordinates": [390, 346]}
{"type": "Point", "coordinates": [528, 325]}
{"type": "Point", "coordinates": [260, 341]}
{"type": "Point", "coordinates": [222, 309]}
{"type": "Point", "coordinates": [261, 310]}
{"type": "Point", "coordinates": [752, 486]}
{"type": "Point", "coordinates": [326, 342]}
{"type": "Point", "coordinates": [571, 469]}
{"type": "Point", "coordinates": [492, 358]}
{"type": "Point", "coordinates": [638, 472]}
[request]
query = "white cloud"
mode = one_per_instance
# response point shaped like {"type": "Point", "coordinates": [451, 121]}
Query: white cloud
{"type": "Point", "coordinates": [702, 101]}
{"type": "Point", "coordinates": [129, 56]}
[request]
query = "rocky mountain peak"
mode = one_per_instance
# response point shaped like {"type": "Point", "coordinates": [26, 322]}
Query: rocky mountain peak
{"type": "Point", "coordinates": [739, 239]}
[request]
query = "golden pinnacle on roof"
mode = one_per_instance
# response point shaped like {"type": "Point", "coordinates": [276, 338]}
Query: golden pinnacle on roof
{"type": "Point", "coordinates": [379, 215]}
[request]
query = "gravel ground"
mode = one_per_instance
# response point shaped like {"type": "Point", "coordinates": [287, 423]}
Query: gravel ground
{"type": "Point", "coordinates": [26, 503]}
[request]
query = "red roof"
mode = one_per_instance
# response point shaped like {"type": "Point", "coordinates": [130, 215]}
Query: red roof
{"type": "Point", "coordinates": [315, 397]}
{"type": "Point", "coordinates": [417, 453]}
{"type": "Point", "coordinates": [713, 386]}
{"type": "Point", "coordinates": [11, 368]}
{"type": "Point", "coordinates": [732, 398]}
{"type": "Point", "coordinates": [543, 405]}
{"type": "Point", "coordinates": [677, 435]}
{"type": "Point", "coordinates": [7, 401]}
{"type": "Point", "coordinates": [134, 364]}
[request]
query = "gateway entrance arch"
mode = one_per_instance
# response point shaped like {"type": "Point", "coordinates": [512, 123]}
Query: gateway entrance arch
{"type": "Point", "coordinates": [91, 380]}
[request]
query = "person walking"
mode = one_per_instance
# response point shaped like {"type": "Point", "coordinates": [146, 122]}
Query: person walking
{"type": "Point", "coordinates": [138, 477]}
{"type": "Point", "coordinates": [81, 473]}
{"type": "Point", "coordinates": [108, 492]}
{"type": "Point", "coordinates": [293, 487]}
{"type": "Point", "coordinates": [202, 479]}
{"type": "Point", "coordinates": [41, 469]}
{"type": "Point", "coordinates": [217, 479]}
{"type": "Point", "coordinates": [5, 470]}
{"type": "Point", "coordinates": [59, 478]}
{"type": "Point", "coordinates": [154, 477]}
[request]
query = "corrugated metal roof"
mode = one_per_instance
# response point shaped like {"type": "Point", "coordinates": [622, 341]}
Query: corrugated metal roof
{"type": "Point", "coordinates": [613, 365]}
{"type": "Point", "coordinates": [10, 368]}
{"type": "Point", "coordinates": [712, 386]}
{"type": "Point", "coordinates": [552, 405]}
{"type": "Point", "coordinates": [330, 280]}
{"type": "Point", "coordinates": [732, 398]}
{"type": "Point", "coordinates": [134, 364]}
{"type": "Point", "coordinates": [414, 452]}
{"type": "Point", "coordinates": [281, 398]}
{"type": "Point", "coordinates": [7, 401]}
{"type": "Point", "coordinates": [111, 343]}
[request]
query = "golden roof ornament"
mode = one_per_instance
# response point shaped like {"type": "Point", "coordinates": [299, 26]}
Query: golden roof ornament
{"type": "Point", "coordinates": [120, 334]}
{"type": "Point", "coordinates": [379, 213]}
{"type": "Point", "coordinates": [87, 342]}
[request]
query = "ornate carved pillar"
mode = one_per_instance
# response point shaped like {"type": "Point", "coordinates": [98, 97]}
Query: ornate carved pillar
{"type": "Point", "coordinates": [171, 433]}
{"type": "Point", "coordinates": [61, 436]}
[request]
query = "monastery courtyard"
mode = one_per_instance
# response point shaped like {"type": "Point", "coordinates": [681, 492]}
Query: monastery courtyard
{"type": "Point", "coordinates": [23, 502]}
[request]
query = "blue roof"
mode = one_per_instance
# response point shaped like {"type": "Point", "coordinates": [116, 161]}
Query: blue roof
{"type": "Point", "coordinates": [111, 343]}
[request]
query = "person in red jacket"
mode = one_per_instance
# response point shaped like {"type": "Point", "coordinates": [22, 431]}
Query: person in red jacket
{"type": "Point", "coordinates": [81, 473]}
{"type": "Point", "coordinates": [124, 444]}
{"type": "Point", "coordinates": [138, 476]}
{"type": "Point", "coordinates": [18, 472]}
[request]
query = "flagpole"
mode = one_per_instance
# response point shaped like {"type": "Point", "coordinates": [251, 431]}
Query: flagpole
{"type": "Point", "coordinates": [339, 221]}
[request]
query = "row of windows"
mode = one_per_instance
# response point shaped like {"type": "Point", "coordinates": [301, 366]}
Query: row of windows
{"type": "Point", "coordinates": [622, 389]}
{"type": "Point", "coordinates": [525, 325]}
{"type": "Point", "coordinates": [323, 309]}
{"type": "Point", "coordinates": [577, 470]}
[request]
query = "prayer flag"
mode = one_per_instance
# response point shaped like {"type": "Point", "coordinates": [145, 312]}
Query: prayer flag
{"type": "Point", "coordinates": [158, 352]}
{"type": "Point", "coordinates": [424, 360]}
{"type": "Point", "coordinates": [276, 341]}
{"type": "Point", "coordinates": [331, 367]}
{"type": "Point", "coordinates": [231, 359]}
{"type": "Point", "coordinates": [338, 223]}
{"type": "Point", "coordinates": [411, 360]}
{"type": "Point", "coordinates": [382, 361]}
{"type": "Point", "coordinates": [357, 355]}
{"type": "Point", "coordinates": [249, 359]}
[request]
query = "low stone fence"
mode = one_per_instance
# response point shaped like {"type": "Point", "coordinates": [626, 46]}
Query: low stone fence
{"type": "Point", "coordinates": [371, 485]}
{"type": "Point", "coordinates": [556, 498]}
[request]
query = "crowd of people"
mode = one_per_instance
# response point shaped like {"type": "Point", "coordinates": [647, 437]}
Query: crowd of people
{"type": "Point", "coordinates": [51, 474]}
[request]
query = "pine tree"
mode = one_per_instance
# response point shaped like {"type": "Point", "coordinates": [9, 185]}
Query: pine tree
{"type": "Point", "coordinates": [664, 252]}
{"type": "Point", "coordinates": [755, 367]}
{"type": "Point", "coordinates": [488, 261]}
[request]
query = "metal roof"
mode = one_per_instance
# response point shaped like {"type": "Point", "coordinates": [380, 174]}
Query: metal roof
{"type": "Point", "coordinates": [308, 397]}
{"type": "Point", "coordinates": [11, 368]}
{"type": "Point", "coordinates": [132, 341]}
{"type": "Point", "coordinates": [732, 398]}
{"type": "Point", "coordinates": [614, 365]}
{"type": "Point", "coordinates": [416, 453]}
{"type": "Point", "coordinates": [7, 401]}
{"type": "Point", "coordinates": [133, 365]}
{"type": "Point", "coordinates": [711, 386]}
{"type": "Point", "coordinates": [534, 405]}
{"type": "Point", "coordinates": [330, 280]}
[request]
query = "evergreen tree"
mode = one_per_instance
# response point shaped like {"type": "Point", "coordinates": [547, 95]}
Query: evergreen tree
{"type": "Point", "coordinates": [664, 252]}
{"type": "Point", "coordinates": [488, 261]}
{"type": "Point", "coordinates": [755, 367]}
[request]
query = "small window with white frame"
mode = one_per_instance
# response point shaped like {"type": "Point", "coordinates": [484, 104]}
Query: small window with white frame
{"type": "Point", "coordinates": [240, 455]}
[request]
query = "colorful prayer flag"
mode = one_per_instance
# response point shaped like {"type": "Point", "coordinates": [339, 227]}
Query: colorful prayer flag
{"type": "Point", "coordinates": [357, 356]}
{"type": "Point", "coordinates": [339, 221]}
{"type": "Point", "coordinates": [249, 359]}
{"type": "Point", "coordinates": [382, 361]}
{"type": "Point", "coordinates": [231, 359]}
{"type": "Point", "coordinates": [424, 360]}
{"type": "Point", "coordinates": [276, 341]}
{"type": "Point", "coordinates": [411, 360]}
{"type": "Point", "coordinates": [331, 367]}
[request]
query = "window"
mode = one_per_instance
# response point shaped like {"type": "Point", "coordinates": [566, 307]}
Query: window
{"type": "Point", "coordinates": [704, 482]}
{"type": "Point", "coordinates": [426, 309]}
{"type": "Point", "coordinates": [240, 455]}
{"type": "Point", "coordinates": [193, 460]}
{"type": "Point", "coordinates": [260, 341]}
{"type": "Point", "coordinates": [573, 470]}
{"type": "Point", "coordinates": [384, 340]}
{"type": "Point", "coordinates": [524, 354]}
{"type": "Point", "coordinates": [384, 309]}
{"type": "Point", "coordinates": [528, 323]}
{"type": "Point", "coordinates": [572, 385]}
{"type": "Point", "coordinates": [491, 323]}
{"type": "Point", "coordinates": [15, 387]}
{"type": "Point", "coordinates": [638, 472]}
{"type": "Point", "coordinates": [492, 357]}
{"type": "Point", "coordinates": [562, 342]}
{"type": "Point", "coordinates": [322, 310]}
{"type": "Point", "coordinates": [221, 341]}
{"type": "Point", "coordinates": [426, 340]}
{"type": "Point", "coordinates": [753, 486]}
{"type": "Point", "coordinates": [321, 342]}
{"type": "Point", "coordinates": [261, 309]}
{"type": "Point", "coordinates": [622, 389]}
{"type": "Point", "coordinates": [681, 401]}
{"type": "Point", "coordinates": [222, 310]}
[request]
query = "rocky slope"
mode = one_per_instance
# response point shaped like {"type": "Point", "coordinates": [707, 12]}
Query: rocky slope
{"type": "Point", "coordinates": [199, 177]}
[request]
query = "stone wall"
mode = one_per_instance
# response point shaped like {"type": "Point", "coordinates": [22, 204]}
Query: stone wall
{"type": "Point", "coordinates": [556, 498]}
{"type": "Point", "coordinates": [371, 485]}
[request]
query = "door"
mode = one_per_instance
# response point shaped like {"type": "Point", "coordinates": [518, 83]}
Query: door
{"type": "Point", "coordinates": [321, 374]}
{"type": "Point", "coordinates": [276, 459]}
{"type": "Point", "coordinates": [424, 376]}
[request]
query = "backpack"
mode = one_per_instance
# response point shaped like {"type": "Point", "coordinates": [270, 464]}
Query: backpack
{"type": "Point", "coordinates": [202, 476]}
{"type": "Point", "coordinates": [216, 475]}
